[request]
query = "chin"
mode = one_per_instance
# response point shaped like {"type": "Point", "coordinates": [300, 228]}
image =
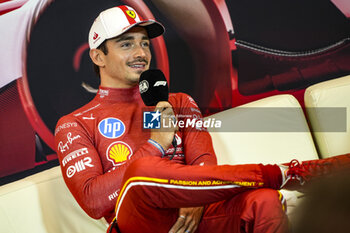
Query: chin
{"type": "Point", "coordinates": [140, 71]}
{"type": "Point", "coordinates": [135, 79]}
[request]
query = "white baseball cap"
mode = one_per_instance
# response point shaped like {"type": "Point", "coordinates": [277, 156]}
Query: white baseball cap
{"type": "Point", "coordinates": [117, 20]}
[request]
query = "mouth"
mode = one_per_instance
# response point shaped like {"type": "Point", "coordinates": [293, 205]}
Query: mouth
{"type": "Point", "coordinates": [138, 65]}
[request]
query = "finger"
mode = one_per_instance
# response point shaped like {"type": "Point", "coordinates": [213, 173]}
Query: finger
{"type": "Point", "coordinates": [188, 221]}
{"type": "Point", "coordinates": [195, 227]}
{"type": "Point", "coordinates": [169, 117]}
{"type": "Point", "coordinates": [191, 227]}
{"type": "Point", "coordinates": [168, 112]}
{"type": "Point", "coordinates": [177, 228]}
{"type": "Point", "coordinates": [188, 225]}
{"type": "Point", "coordinates": [163, 104]}
{"type": "Point", "coordinates": [181, 230]}
{"type": "Point", "coordinates": [178, 224]}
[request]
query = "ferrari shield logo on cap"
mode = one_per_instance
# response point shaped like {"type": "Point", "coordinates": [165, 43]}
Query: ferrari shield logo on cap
{"type": "Point", "coordinates": [131, 13]}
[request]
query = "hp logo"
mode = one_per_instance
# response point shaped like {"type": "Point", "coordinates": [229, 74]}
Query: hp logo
{"type": "Point", "coordinates": [111, 128]}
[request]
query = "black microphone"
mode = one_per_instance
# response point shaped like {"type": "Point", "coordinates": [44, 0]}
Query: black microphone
{"type": "Point", "coordinates": [154, 88]}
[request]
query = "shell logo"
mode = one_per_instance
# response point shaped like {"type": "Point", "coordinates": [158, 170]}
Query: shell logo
{"type": "Point", "coordinates": [118, 153]}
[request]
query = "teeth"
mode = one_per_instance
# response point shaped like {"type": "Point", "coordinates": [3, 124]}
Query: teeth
{"type": "Point", "coordinates": [137, 66]}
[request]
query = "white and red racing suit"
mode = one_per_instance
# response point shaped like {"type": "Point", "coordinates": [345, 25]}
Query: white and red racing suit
{"type": "Point", "coordinates": [104, 151]}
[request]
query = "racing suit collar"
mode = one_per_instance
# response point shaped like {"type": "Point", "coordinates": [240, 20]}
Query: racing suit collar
{"type": "Point", "coordinates": [119, 94]}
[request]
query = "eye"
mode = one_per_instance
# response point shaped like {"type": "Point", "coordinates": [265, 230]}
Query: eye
{"type": "Point", "coordinates": [126, 45]}
{"type": "Point", "coordinates": [145, 44]}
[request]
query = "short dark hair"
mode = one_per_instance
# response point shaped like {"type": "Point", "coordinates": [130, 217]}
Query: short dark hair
{"type": "Point", "coordinates": [104, 49]}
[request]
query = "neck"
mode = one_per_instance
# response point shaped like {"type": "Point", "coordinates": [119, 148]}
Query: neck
{"type": "Point", "coordinates": [119, 94]}
{"type": "Point", "coordinates": [111, 83]}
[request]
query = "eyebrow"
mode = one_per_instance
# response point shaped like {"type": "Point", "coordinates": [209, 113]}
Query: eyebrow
{"type": "Point", "coordinates": [126, 37]}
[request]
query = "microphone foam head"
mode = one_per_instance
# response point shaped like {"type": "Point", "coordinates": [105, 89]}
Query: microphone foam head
{"type": "Point", "coordinates": [153, 87]}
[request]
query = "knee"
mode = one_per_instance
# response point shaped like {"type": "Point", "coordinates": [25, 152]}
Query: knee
{"type": "Point", "coordinates": [264, 198]}
{"type": "Point", "coordinates": [264, 211]}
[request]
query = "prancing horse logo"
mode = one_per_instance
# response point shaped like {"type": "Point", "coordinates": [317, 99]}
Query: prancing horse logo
{"type": "Point", "coordinates": [131, 13]}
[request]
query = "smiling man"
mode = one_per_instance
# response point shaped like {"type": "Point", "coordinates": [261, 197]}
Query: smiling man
{"type": "Point", "coordinates": [119, 67]}
{"type": "Point", "coordinates": [108, 136]}
{"type": "Point", "coordinates": [109, 161]}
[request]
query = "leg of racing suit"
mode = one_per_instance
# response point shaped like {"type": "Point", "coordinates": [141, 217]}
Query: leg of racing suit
{"type": "Point", "coordinates": [253, 211]}
{"type": "Point", "coordinates": [155, 188]}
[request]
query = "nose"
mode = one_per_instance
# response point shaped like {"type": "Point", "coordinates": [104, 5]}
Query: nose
{"type": "Point", "coordinates": [140, 52]}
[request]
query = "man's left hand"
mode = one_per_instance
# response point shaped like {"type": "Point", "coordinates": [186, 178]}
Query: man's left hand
{"type": "Point", "coordinates": [188, 220]}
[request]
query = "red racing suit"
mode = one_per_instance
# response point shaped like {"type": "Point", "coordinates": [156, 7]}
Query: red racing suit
{"type": "Point", "coordinates": [97, 143]}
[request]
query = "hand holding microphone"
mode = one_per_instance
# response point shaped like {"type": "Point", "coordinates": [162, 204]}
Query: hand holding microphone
{"type": "Point", "coordinates": [165, 137]}
{"type": "Point", "coordinates": [155, 92]}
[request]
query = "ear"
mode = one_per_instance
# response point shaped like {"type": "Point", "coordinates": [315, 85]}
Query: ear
{"type": "Point", "coordinates": [97, 57]}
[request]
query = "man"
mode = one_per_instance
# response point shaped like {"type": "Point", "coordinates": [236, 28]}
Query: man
{"type": "Point", "coordinates": [108, 161]}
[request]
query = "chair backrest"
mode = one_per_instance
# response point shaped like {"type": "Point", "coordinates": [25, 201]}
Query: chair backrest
{"type": "Point", "coordinates": [270, 130]}
{"type": "Point", "coordinates": [328, 109]}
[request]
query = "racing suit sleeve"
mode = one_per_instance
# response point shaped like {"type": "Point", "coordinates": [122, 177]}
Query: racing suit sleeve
{"type": "Point", "coordinates": [82, 169]}
{"type": "Point", "coordinates": [198, 146]}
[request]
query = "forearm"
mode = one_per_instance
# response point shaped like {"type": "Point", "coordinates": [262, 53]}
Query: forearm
{"type": "Point", "coordinates": [204, 159]}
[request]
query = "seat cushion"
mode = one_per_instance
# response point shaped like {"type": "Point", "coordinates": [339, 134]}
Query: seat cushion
{"type": "Point", "coordinates": [42, 203]}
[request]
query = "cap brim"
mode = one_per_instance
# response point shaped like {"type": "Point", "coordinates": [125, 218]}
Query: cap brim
{"type": "Point", "coordinates": [153, 28]}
